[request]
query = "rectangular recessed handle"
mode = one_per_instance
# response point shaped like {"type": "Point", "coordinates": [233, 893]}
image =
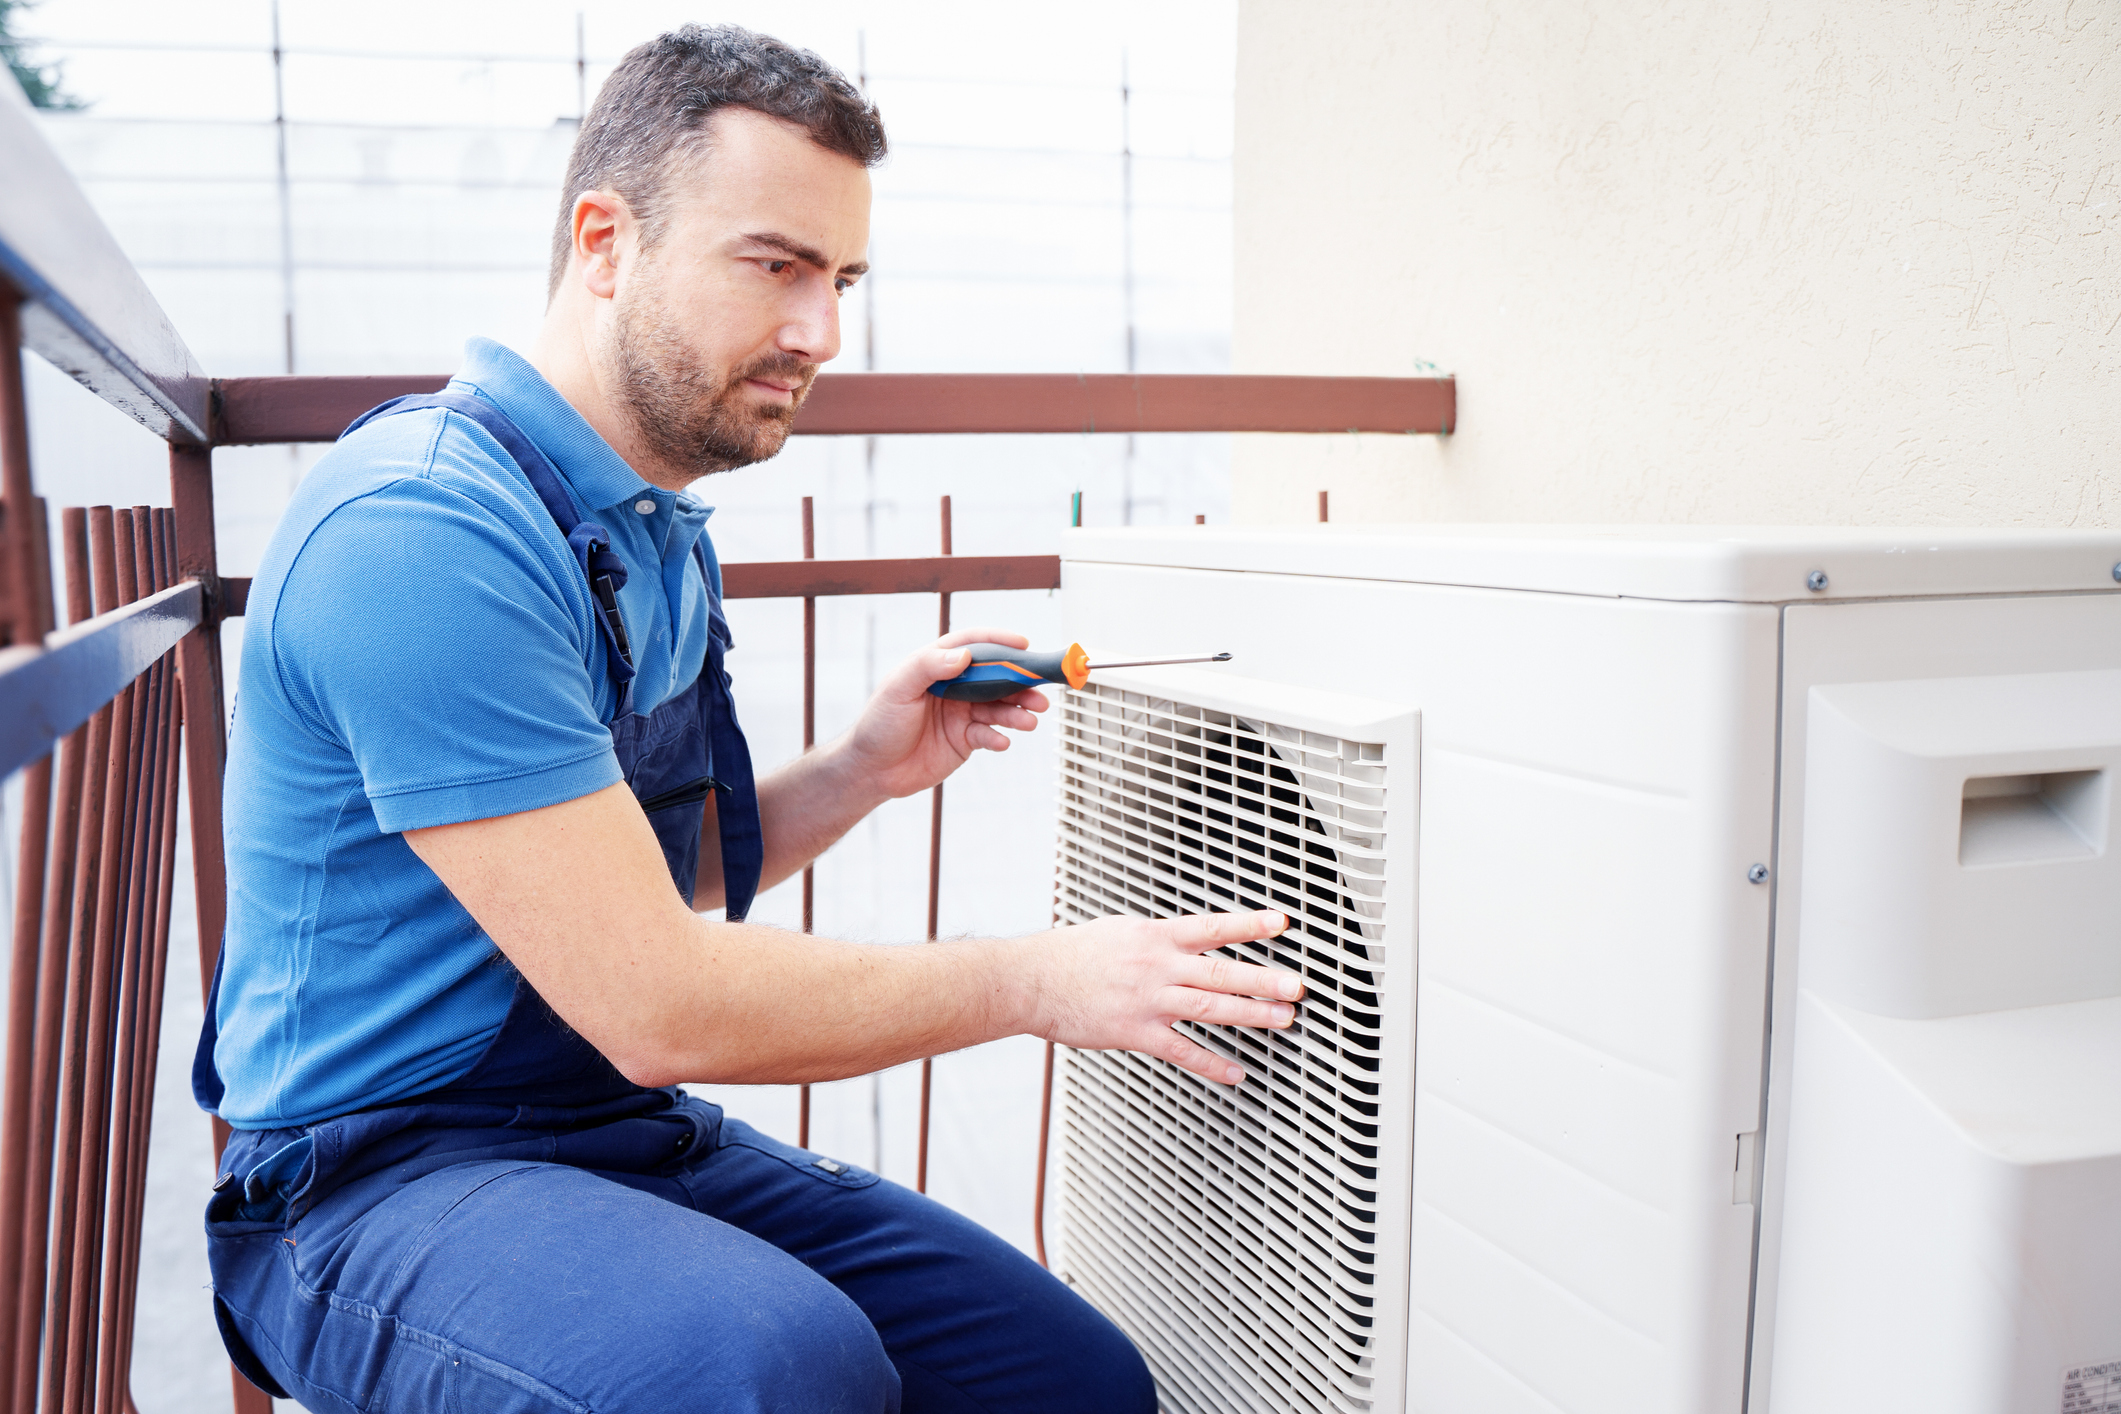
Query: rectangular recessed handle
{"type": "Point", "coordinates": [2029, 819]}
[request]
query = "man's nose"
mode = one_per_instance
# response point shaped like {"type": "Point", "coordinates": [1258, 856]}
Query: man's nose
{"type": "Point", "coordinates": [812, 330]}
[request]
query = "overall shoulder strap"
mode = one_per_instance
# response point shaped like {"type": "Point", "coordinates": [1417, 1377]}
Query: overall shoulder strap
{"type": "Point", "coordinates": [591, 543]}
{"type": "Point", "coordinates": [736, 807]}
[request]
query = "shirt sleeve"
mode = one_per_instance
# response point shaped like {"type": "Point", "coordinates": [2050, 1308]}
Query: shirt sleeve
{"type": "Point", "coordinates": [424, 634]}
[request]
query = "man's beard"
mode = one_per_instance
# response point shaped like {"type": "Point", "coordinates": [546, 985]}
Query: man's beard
{"type": "Point", "coordinates": [690, 419]}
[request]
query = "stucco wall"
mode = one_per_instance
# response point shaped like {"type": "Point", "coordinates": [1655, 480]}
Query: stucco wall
{"type": "Point", "coordinates": [1713, 262]}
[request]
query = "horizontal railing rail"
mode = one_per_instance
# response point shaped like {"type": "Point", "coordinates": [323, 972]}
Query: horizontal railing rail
{"type": "Point", "coordinates": [814, 579]}
{"type": "Point", "coordinates": [852, 403]}
{"type": "Point", "coordinates": [317, 409]}
{"type": "Point", "coordinates": [947, 574]}
{"type": "Point", "coordinates": [52, 691]}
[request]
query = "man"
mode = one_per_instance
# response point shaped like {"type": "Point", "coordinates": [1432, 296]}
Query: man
{"type": "Point", "coordinates": [485, 767]}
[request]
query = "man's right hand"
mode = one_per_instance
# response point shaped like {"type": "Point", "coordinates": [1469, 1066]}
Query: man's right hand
{"type": "Point", "coordinates": [1123, 983]}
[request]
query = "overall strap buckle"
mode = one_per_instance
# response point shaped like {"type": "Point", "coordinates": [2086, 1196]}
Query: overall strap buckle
{"type": "Point", "coordinates": [606, 573]}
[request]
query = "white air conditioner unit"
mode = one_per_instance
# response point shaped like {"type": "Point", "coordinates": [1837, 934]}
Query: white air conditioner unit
{"type": "Point", "coordinates": [1715, 950]}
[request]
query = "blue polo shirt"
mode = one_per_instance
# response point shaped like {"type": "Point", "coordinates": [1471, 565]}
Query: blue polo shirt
{"type": "Point", "coordinates": [419, 650]}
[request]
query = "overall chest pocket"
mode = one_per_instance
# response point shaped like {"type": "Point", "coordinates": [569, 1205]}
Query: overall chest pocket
{"type": "Point", "coordinates": [692, 793]}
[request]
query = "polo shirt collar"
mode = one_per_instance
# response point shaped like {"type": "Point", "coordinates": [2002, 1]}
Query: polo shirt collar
{"type": "Point", "coordinates": [598, 476]}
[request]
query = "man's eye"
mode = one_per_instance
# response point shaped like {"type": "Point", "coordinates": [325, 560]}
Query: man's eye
{"type": "Point", "coordinates": [775, 267]}
{"type": "Point", "coordinates": [843, 285]}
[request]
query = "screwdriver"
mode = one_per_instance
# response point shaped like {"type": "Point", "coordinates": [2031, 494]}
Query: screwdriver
{"type": "Point", "coordinates": [995, 672]}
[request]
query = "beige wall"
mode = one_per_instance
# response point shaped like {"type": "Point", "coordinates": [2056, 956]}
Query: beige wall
{"type": "Point", "coordinates": [1709, 262]}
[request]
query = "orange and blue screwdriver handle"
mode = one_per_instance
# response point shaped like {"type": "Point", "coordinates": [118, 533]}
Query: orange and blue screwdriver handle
{"type": "Point", "coordinates": [996, 672]}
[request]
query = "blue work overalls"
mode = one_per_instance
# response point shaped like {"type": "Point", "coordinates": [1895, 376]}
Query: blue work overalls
{"type": "Point", "coordinates": [543, 1234]}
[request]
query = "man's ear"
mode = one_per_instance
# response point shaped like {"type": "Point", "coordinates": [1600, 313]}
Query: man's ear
{"type": "Point", "coordinates": [602, 224]}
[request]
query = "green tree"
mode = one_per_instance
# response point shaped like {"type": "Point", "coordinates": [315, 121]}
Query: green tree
{"type": "Point", "coordinates": [40, 81]}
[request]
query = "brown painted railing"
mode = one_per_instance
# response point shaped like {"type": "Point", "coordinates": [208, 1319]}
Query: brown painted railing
{"type": "Point", "coordinates": [92, 934]}
{"type": "Point", "coordinates": [100, 717]}
{"type": "Point", "coordinates": [252, 410]}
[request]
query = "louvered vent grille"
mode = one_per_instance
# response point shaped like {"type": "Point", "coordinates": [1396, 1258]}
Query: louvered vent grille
{"type": "Point", "coordinates": [1237, 1236]}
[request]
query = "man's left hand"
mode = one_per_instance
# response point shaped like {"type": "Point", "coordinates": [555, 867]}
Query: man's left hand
{"type": "Point", "coordinates": [907, 739]}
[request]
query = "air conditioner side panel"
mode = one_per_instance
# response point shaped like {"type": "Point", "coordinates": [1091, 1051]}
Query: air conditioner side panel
{"type": "Point", "coordinates": [1598, 777]}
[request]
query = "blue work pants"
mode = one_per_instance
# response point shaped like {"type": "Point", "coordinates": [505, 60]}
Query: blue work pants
{"type": "Point", "coordinates": [675, 1262]}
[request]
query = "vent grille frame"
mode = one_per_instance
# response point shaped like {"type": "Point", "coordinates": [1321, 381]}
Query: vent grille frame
{"type": "Point", "coordinates": [1252, 1243]}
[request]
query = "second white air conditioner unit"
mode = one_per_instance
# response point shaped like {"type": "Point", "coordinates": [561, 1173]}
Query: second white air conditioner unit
{"type": "Point", "coordinates": [1715, 998]}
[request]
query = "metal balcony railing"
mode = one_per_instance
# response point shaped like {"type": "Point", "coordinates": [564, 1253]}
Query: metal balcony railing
{"type": "Point", "coordinates": [128, 697]}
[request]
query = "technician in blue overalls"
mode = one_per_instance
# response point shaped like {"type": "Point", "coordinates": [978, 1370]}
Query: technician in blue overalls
{"type": "Point", "coordinates": [486, 765]}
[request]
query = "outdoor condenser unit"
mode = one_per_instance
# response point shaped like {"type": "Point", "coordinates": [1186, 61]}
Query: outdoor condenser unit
{"type": "Point", "coordinates": [1714, 941]}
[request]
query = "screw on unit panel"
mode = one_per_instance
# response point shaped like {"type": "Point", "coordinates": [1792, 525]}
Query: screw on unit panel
{"type": "Point", "coordinates": [1815, 581]}
{"type": "Point", "coordinates": [1758, 873]}
{"type": "Point", "coordinates": [2117, 572]}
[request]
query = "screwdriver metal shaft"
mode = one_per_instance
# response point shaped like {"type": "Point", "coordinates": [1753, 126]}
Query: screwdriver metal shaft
{"type": "Point", "coordinates": [1161, 662]}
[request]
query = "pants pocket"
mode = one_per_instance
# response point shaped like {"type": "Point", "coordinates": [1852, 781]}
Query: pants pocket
{"type": "Point", "coordinates": [432, 1376]}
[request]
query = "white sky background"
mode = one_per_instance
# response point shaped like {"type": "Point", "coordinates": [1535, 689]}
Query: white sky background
{"type": "Point", "coordinates": [425, 161]}
{"type": "Point", "coordinates": [1176, 48]}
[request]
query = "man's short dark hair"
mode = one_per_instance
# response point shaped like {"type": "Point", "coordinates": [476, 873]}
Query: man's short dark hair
{"type": "Point", "coordinates": [649, 117]}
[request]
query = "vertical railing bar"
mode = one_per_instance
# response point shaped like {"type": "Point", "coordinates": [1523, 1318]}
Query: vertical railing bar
{"type": "Point", "coordinates": [34, 1217]}
{"type": "Point", "coordinates": [135, 1053]}
{"type": "Point", "coordinates": [191, 494]}
{"type": "Point", "coordinates": [158, 968]}
{"type": "Point", "coordinates": [802, 1118]}
{"type": "Point", "coordinates": [935, 885]}
{"type": "Point", "coordinates": [123, 1196]}
{"type": "Point", "coordinates": [153, 945]}
{"type": "Point", "coordinates": [1046, 1082]}
{"type": "Point", "coordinates": [88, 874]}
{"type": "Point", "coordinates": [29, 620]}
{"type": "Point", "coordinates": [143, 841]}
{"type": "Point", "coordinates": [1045, 1135]}
{"type": "Point", "coordinates": [131, 979]}
{"type": "Point", "coordinates": [112, 1138]}
{"type": "Point", "coordinates": [112, 1156]}
{"type": "Point", "coordinates": [92, 1163]}
{"type": "Point", "coordinates": [205, 726]}
{"type": "Point", "coordinates": [1045, 1090]}
{"type": "Point", "coordinates": [164, 913]}
{"type": "Point", "coordinates": [22, 995]}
